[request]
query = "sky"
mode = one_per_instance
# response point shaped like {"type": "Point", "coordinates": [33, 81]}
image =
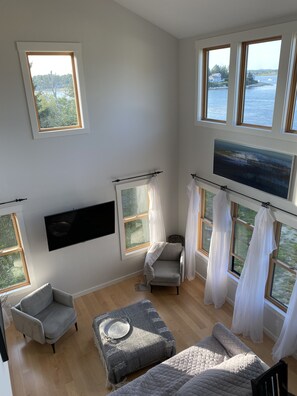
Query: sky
{"type": "Point", "coordinates": [261, 56]}
{"type": "Point", "coordinates": [44, 64]}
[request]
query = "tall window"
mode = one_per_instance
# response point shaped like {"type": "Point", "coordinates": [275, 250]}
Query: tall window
{"type": "Point", "coordinates": [13, 268]}
{"type": "Point", "coordinates": [215, 83]}
{"type": "Point", "coordinates": [54, 87]}
{"type": "Point", "coordinates": [291, 125]}
{"type": "Point", "coordinates": [258, 78]}
{"type": "Point", "coordinates": [282, 265]}
{"type": "Point", "coordinates": [206, 221]}
{"type": "Point", "coordinates": [133, 206]}
{"type": "Point", "coordinates": [243, 220]}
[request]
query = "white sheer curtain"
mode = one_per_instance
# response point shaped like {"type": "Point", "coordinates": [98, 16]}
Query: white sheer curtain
{"type": "Point", "coordinates": [249, 299]}
{"type": "Point", "coordinates": [191, 229]}
{"type": "Point", "coordinates": [287, 342]}
{"type": "Point", "coordinates": [217, 269]}
{"type": "Point", "coordinates": [157, 228]}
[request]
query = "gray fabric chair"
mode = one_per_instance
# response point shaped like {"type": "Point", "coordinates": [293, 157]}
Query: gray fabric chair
{"type": "Point", "coordinates": [45, 315]}
{"type": "Point", "coordinates": [169, 268]}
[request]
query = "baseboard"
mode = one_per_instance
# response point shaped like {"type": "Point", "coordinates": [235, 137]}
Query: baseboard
{"type": "Point", "coordinates": [106, 284]}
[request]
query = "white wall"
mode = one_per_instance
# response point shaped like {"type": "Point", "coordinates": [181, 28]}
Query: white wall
{"type": "Point", "coordinates": [5, 379]}
{"type": "Point", "coordinates": [130, 71]}
{"type": "Point", "coordinates": [196, 144]}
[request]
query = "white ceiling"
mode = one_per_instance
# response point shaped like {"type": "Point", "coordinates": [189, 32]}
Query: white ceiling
{"type": "Point", "coordinates": [187, 18]}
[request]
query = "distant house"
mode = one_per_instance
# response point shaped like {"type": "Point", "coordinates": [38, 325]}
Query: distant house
{"type": "Point", "coordinates": [216, 77]}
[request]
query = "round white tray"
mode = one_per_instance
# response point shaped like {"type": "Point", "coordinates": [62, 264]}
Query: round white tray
{"type": "Point", "coordinates": [116, 328]}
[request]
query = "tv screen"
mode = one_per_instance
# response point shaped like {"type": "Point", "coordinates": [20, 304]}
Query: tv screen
{"type": "Point", "coordinates": [75, 226]}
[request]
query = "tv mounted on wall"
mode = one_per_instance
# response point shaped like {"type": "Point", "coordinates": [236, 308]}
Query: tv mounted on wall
{"type": "Point", "coordinates": [80, 225]}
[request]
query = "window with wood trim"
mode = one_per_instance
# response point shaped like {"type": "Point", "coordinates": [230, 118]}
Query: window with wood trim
{"type": "Point", "coordinates": [13, 267]}
{"type": "Point", "coordinates": [291, 123]}
{"type": "Point", "coordinates": [133, 206]}
{"type": "Point", "coordinates": [215, 83]}
{"type": "Point", "coordinates": [243, 220]}
{"type": "Point", "coordinates": [283, 261]}
{"type": "Point", "coordinates": [283, 266]}
{"type": "Point", "coordinates": [53, 80]}
{"type": "Point", "coordinates": [258, 79]}
{"type": "Point", "coordinates": [205, 221]}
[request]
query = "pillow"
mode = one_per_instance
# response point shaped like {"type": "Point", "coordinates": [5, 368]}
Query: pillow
{"type": "Point", "coordinates": [230, 342]}
{"type": "Point", "coordinates": [38, 300]}
{"type": "Point", "coordinates": [231, 377]}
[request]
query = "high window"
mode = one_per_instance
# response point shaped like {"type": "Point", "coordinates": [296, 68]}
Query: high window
{"type": "Point", "coordinates": [282, 265]}
{"type": "Point", "coordinates": [215, 83]}
{"type": "Point", "coordinates": [133, 206]}
{"type": "Point", "coordinates": [258, 79]}
{"type": "Point", "coordinates": [291, 125]}
{"type": "Point", "coordinates": [13, 267]}
{"type": "Point", "coordinates": [54, 87]}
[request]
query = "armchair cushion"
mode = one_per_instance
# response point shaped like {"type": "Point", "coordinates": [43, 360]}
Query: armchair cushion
{"type": "Point", "coordinates": [166, 272]}
{"type": "Point", "coordinates": [56, 319]}
{"type": "Point", "coordinates": [38, 300]}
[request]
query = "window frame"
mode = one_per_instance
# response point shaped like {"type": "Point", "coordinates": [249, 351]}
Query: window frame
{"type": "Point", "coordinates": [292, 98]}
{"type": "Point", "coordinates": [20, 233]}
{"type": "Point", "coordinates": [273, 257]}
{"type": "Point", "coordinates": [241, 82]}
{"type": "Point", "coordinates": [72, 49]}
{"type": "Point", "coordinates": [126, 253]}
{"type": "Point", "coordinates": [205, 62]}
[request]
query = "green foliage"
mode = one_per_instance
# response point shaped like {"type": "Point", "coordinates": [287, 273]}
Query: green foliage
{"type": "Point", "coordinates": [249, 80]}
{"type": "Point", "coordinates": [223, 70]}
{"type": "Point", "coordinates": [55, 100]}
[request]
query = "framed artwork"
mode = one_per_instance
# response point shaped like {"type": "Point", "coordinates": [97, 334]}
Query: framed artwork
{"type": "Point", "coordinates": [264, 170]}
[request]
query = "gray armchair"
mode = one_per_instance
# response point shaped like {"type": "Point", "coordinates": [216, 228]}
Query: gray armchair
{"type": "Point", "coordinates": [45, 315]}
{"type": "Point", "coordinates": [169, 267]}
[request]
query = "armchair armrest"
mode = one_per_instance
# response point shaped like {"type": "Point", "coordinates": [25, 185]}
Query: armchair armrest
{"type": "Point", "coordinates": [63, 298]}
{"type": "Point", "coordinates": [28, 325]}
{"type": "Point", "coordinates": [182, 265]}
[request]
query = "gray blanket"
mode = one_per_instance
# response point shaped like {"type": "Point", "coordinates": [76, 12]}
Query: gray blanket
{"type": "Point", "coordinates": [148, 341]}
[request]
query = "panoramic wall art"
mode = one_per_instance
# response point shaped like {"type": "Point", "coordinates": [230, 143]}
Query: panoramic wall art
{"type": "Point", "coordinates": [264, 170]}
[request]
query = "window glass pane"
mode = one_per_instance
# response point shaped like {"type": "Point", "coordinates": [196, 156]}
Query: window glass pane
{"type": "Point", "coordinates": [237, 265]}
{"type": "Point", "coordinates": [11, 270]}
{"type": "Point", "coordinates": [260, 82]}
{"type": "Point", "coordinates": [136, 232]}
{"type": "Point", "coordinates": [282, 284]}
{"type": "Point", "coordinates": [208, 205]}
{"type": "Point", "coordinates": [243, 236]}
{"type": "Point", "coordinates": [135, 201]}
{"type": "Point", "coordinates": [246, 215]}
{"type": "Point", "coordinates": [206, 236]}
{"type": "Point", "coordinates": [217, 83]}
{"type": "Point", "coordinates": [294, 125]}
{"type": "Point", "coordinates": [287, 252]}
{"type": "Point", "coordinates": [7, 234]}
{"type": "Point", "coordinates": [54, 90]}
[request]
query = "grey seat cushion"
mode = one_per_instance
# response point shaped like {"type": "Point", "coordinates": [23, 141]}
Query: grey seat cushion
{"type": "Point", "coordinates": [171, 252]}
{"type": "Point", "coordinates": [38, 300]}
{"type": "Point", "coordinates": [166, 272]}
{"type": "Point", "coordinates": [56, 319]}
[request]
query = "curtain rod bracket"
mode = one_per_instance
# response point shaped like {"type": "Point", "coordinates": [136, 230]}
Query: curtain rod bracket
{"type": "Point", "coordinates": [265, 204]}
{"type": "Point", "coordinates": [224, 188]}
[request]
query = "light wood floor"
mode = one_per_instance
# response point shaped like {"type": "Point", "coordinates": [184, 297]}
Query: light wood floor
{"type": "Point", "coordinates": [76, 369]}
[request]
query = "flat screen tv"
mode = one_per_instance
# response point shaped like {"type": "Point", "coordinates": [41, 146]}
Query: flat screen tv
{"type": "Point", "coordinates": [80, 225]}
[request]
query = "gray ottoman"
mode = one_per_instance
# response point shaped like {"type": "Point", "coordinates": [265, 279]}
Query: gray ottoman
{"type": "Point", "coordinates": [147, 341]}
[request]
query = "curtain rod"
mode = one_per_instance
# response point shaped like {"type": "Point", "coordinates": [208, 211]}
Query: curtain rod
{"type": "Point", "coordinates": [137, 177]}
{"type": "Point", "coordinates": [15, 200]}
{"type": "Point", "coordinates": [265, 204]}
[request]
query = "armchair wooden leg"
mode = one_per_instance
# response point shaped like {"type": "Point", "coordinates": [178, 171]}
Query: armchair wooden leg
{"type": "Point", "coordinates": [24, 335]}
{"type": "Point", "coordinates": [177, 290]}
{"type": "Point", "coordinates": [54, 349]}
{"type": "Point", "coordinates": [76, 326]}
{"type": "Point", "coordinates": [151, 288]}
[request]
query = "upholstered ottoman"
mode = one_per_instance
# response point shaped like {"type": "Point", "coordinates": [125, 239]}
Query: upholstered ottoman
{"type": "Point", "coordinates": [141, 339]}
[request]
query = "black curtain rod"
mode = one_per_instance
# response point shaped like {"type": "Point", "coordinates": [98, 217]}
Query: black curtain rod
{"type": "Point", "coordinates": [15, 200]}
{"type": "Point", "coordinates": [137, 177]}
{"type": "Point", "coordinates": [265, 204]}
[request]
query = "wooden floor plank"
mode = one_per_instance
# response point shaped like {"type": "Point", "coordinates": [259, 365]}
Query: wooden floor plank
{"type": "Point", "coordinates": [76, 369]}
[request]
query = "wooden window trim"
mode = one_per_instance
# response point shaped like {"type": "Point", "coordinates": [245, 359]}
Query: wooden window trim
{"type": "Point", "coordinates": [205, 83]}
{"type": "Point", "coordinates": [292, 100]}
{"type": "Point", "coordinates": [16, 249]}
{"type": "Point", "coordinates": [242, 75]}
{"type": "Point", "coordinates": [75, 87]}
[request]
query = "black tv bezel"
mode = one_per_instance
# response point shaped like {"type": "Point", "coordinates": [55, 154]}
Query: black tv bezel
{"type": "Point", "coordinates": [54, 245]}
